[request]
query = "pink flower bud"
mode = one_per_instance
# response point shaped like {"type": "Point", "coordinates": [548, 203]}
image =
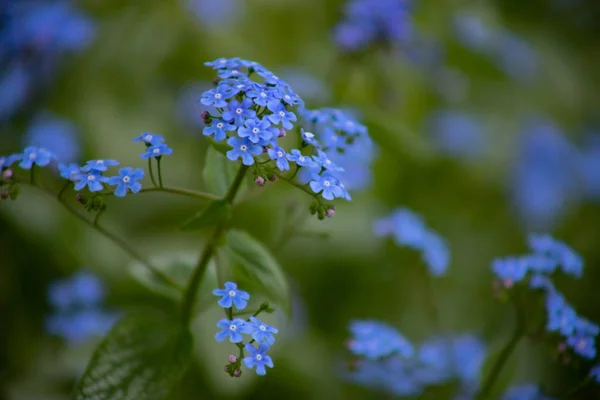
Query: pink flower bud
{"type": "Point", "coordinates": [237, 373]}
{"type": "Point", "coordinates": [232, 359]}
{"type": "Point", "coordinates": [260, 181]}
{"type": "Point", "coordinates": [330, 212]}
{"type": "Point", "coordinates": [282, 132]}
{"type": "Point", "coordinates": [8, 174]}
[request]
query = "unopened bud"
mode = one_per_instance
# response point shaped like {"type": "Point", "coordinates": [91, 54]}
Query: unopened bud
{"type": "Point", "coordinates": [232, 359]}
{"type": "Point", "coordinates": [282, 132]}
{"type": "Point", "coordinates": [4, 194]}
{"type": "Point", "coordinates": [272, 177]}
{"type": "Point", "coordinates": [80, 199]}
{"type": "Point", "coordinates": [216, 81]}
{"type": "Point", "coordinates": [260, 181]}
{"type": "Point", "coordinates": [8, 174]}
{"type": "Point", "coordinates": [562, 347]}
{"type": "Point", "coordinates": [226, 369]}
{"type": "Point", "coordinates": [330, 212]}
{"type": "Point", "coordinates": [205, 115]}
{"type": "Point", "coordinates": [313, 208]}
{"type": "Point", "coordinates": [237, 373]}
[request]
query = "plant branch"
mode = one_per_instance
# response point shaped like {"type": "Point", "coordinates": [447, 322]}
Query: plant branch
{"type": "Point", "coordinates": [151, 172]}
{"type": "Point", "coordinates": [160, 182]}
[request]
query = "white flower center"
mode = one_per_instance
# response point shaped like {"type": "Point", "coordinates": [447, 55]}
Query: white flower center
{"type": "Point", "coordinates": [32, 156]}
{"type": "Point", "coordinates": [326, 183]}
{"type": "Point", "coordinates": [263, 94]}
{"type": "Point", "coordinates": [301, 158]}
{"type": "Point", "coordinates": [235, 72]}
{"type": "Point", "coordinates": [258, 357]}
{"type": "Point", "coordinates": [287, 97]}
{"type": "Point", "coordinates": [232, 293]}
{"type": "Point", "coordinates": [148, 138]}
{"type": "Point", "coordinates": [222, 61]}
{"type": "Point", "coordinates": [262, 328]}
{"type": "Point", "coordinates": [240, 86]}
{"type": "Point", "coordinates": [280, 154]}
{"type": "Point", "coordinates": [91, 178]}
{"type": "Point", "coordinates": [217, 96]}
{"type": "Point", "coordinates": [156, 151]}
{"type": "Point", "coordinates": [220, 125]}
{"type": "Point", "coordinates": [126, 179]}
{"type": "Point", "coordinates": [101, 162]}
{"type": "Point", "coordinates": [255, 130]}
{"type": "Point", "coordinates": [239, 111]}
{"type": "Point", "coordinates": [281, 114]}
{"type": "Point", "coordinates": [232, 327]}
{"type": "Point", "coordinates": [243, 147]}
{"type": "Point", "coordinates": [327, 162]}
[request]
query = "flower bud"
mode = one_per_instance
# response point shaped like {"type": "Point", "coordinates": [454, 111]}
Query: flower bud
{"type": "Point", "coordinates": [4, 194]}
{"type": "Point", "coordinates": [330, 212]}
{"type": "Point", "coordinates": [321, 214]}
{"type": "Point", "coordinates": [237, 373]}
{"type": "Point", "coordinates": [272, 177]}
{"type": "Point", "coordinates": [260, 181]}
{"type": "Point", "coordinates": [282, 132]}
{"type": "Point", "coordinates": [226, 369]}
{"type": "Point", "coordinates": [313, 208]}
{"type": "Point", "coordinates": [205, 116]}
{"type": "Point", "coordinates": [8, 174]}
{"type": "Point", "coordinates": [232, 359]}
{"type": "Point", "coordinates": [80, 199]}
{"type": "Point", "coordinates": [216, 81]}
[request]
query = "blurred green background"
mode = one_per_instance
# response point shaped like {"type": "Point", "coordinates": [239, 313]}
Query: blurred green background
{"type": "Point", "coordinates": [137, 75]}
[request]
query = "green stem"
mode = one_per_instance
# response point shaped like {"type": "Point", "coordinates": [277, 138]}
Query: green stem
{"type": "Point", "coordinates": [299, 186]}
{"type": "Point", "coordinates": [518, 334]}
{"type": "Point", "coordinates": [160, 183]}
{"type": "Point", "coordinates": [98, 215]}
{"type": "Point", "coordinates": [295, 172]}
{"type": "Point", "coordinates": [181, 192]}
{"type": "Point", "coordinates": [62, 191]}
{"type": "Point", "coordinates": [189, 297]}
{"type": "Point", "coordinates": [151, 171]}
{"type": "Point", "coordinates": [32, 176]}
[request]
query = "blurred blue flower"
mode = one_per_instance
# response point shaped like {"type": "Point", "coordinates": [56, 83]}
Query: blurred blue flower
{"type": "Point", "coordinates": [473, 32]}
{"type": "Point", "coordinates": [69, 171]}
{"type": "Point", "coordinates": [457, 134]}
{"type": "Point", "coordinates": [524, 392]}
{"type": "Point", "coordinates": [231, 296]}
{"type": "Point", "coordinates": [516, 57]}
{"type": "Point", "coordinates": [374, 339]}
{"type": "Point", "coordinates": [595, 373]}
{"type": "Point", "coordinates": [216, 14]}
{"type": "Point", "coordinates": [510, 270]}
{"type": "Point", "coordinates": [545, 245]}
{"type": "Point", "coordinates": [409, 229]}
{"type": "Point", "coordinates": [35, 155]}
{"type": "Point", "coordinates": [15, 87]}
{"type": "Point", "coordinates": [78, 308]}
{"type": "Point", "coordinates": [257, 357]}
{"type": "Point", "coordinates": [589, 166]}
{"type": "Point", "coordinates": [308, 86]}
{"type": "Point", "coordinates": [232, 329]}
{"type": "Point", "coordinates": [55, 134]}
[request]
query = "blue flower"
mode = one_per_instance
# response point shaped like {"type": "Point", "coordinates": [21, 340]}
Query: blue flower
{"type": "Point", "coordinates": [255, 130]}
{"type": "Point", "coordinates": [57, 135]}
{"type": "Point", "coordinates": [258, 358]}
{"type": "Point", "coordinates": [323, 161]}
{"type": "Point", "coordinates": [561, 317]}
{"type": "Point", "coordinates": [127, 179]}
{"type": "Point", "coordinates": [244, 149]}
{"type": "Point", "coordinates": [70, 171]}
{"type": "Point", "coordinates": [149, 138]}
{"type": "Point", "coordinates": [510, 270]}
{"type": "Point", "coordinates": [524, 392]}
{"type": "Point", "coordinates": [231, 73]}
{"type": "Point", "coordinates": [232, 296]}
{"type": "Point", "coordinates": [473, 33]}
{"type": "Point", "coordinates": [308, 138]}
{"type": "Point", "coordinates": [545, 245]}
{"type": "Point", "coordinates": [326, 184]}
{"type": "Point", "coordinates": [218, 129]}
{"type": "Point", "coordinates": [93, 180]}
{"type": "Point", "coordinates": [373, 340]}
{"type": "Point", "coordinates": [6, 162]}
{"type": "Point", "coordinates": [157, 150]}
{"type": "Point", "coordinates": [220, 63]}
{"type": "Point", "coordinates": [35, 155]}
{"type": "Point", "coordinates": [277, 153]}
{"type": "Point", "coordinates": [304, 161]}
{"type": "Point", "coordinates": [216, 97]}
{"type": "Point", "coordinates": [457, 134]}
{"type": "Point", "coordinates": [78, 326]}
{"type": "Point", "coordinates": [99, 165]}
{"type": "Point", "coordinates": [239, 112]}
{"type": "Point", "coordinates": [585, 346]}
{"type": "Point", "coordinates": [262, 332]}
{"type": "Point", "coordinates": [261, 96]}
{"type": "Point", "coordinates": [281, 115]}
{"type": "Point", "coordinates": [232, 329]}
{"type": "Point", "coordinates": [595, 373]}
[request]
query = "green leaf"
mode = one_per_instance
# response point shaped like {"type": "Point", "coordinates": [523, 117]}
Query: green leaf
{"type": "Point", "coordinates": [179, 267]}
{"type": "Point", "coordinates": [251, 264]}
{"type": "Point", "coordinates": [219, 172]}
{"type": "Point", "coordinates": [217, 212]}
{"type": "Point", "coordinates": [221, 147]}
{"type": "Point", "coordinates": [142, 358]}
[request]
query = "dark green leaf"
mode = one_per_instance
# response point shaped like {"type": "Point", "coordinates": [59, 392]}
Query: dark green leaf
{"type": "Point", "coordinates": [219, 172]}
{"type": "Point", "coordinates": [251, 264]}
{"type": "Point", "coordinates": [217, 212]}
{"type": "Point", "coordinates": [142, 358]}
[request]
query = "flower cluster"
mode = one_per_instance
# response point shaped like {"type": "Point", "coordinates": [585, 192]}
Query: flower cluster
{"type": "Point", "coordinates": [34, 35]}
{"type": "Point", "coordinates": [547, 256]}
{"type": "Point", "coordinates": [370, 21]}
{"type": "Point", "coordinates": [234, 329]}
{"type": "Point", "coordinates": [251, 115]}
{"type": "Point", "coordinates": [384, 360]}
{"type": "Point", "coordinates": [78, 312]}
{"type": "Point", "coordinates": [409, 229]}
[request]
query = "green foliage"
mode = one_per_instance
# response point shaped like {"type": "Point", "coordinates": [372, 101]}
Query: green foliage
{"type": "Point", "coordinates": [219, 173]}
{"type": "Point", "coordinates": [217, 212]}
{"type": "Point", "coordinates": [141, 358]}
{"type": "Point", "coordinates": [249, 263]}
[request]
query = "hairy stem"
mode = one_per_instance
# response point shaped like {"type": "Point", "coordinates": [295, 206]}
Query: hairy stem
{"type": "Point", "coordinates": [151, 172]}
{"type": "Point", "coordinates": [189, 297]}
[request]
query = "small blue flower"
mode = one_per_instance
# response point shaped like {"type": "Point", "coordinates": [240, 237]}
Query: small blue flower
{"type": "Point", "coordinates": [149, 138]}
{"type": "Point", "coordinates": [309, 138]}
{"type": "Point", "coordinates": [323, 161]}
{"type": "Point", "coordinates": [232, 296]}
{"type": "Point", "coordinates": [239, 112]}
{"type": "Point", "coordinates": [255, 130]}
{"type": "Point", "coordinates": [99, 165]}
{"type": "Point", "coordinates": [218, 129]}
{"type": "Point", "coordinates": [545, 245]}
{"type": "Point", "coordinates": [231, 73]}
{"type": "Point", "coordinates": [281, 115]}
{"type": "Point", "coordinates": [258, 358]}
{"type": "Point", "coordinates": [157, 150]}
{"type": "Point", "coordinates": [279, 154]}
{"type": "Point", "coordinates": [92, 180]}
{"type": "Point", "coordinates": [262, 332]}
{"type": "Point", "coordinates": [374, 340]}
{"type": "Point", "coordinates": [510, 270]}
{"type": "Point", "coordinates": [244, 149]}
{"type": "Point", "coordinates": [70, 171]}
{"type": "Point", "coordinates": [595, 373]}
{"type": "Point", "coordinates": [585, 346]}
{"type": "Point", "coordinates": [232, 329]}
{"type": "Point", "coordinates": [326, 184]}
{"type": "Point", "coordinates": [561, 316]}
{"type": "Point", "coordinates": [216, 97]}
{"type": "Point", "coordinates": [6, 162]}
{"type": "Point", "coordinates": [57, 135]}
{"type": "Point", "coordinates": [220, 63]}
{"type": "Point", "coordinates": [127, 179]}
{"type": "Point", "coordinates": [524, 392]}
{"type": "Point", "coordinates": [304, 161]}
{"type": "Point", "coordinates": [35, 155]}
{"type": "Point", "coordinates": [261, 96]}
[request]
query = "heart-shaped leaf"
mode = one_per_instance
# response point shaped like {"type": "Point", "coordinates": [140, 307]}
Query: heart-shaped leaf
{"type": "Point", "coordinates": [217, 212]}
{"type": "Point", "coordinates": [142, 358]}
